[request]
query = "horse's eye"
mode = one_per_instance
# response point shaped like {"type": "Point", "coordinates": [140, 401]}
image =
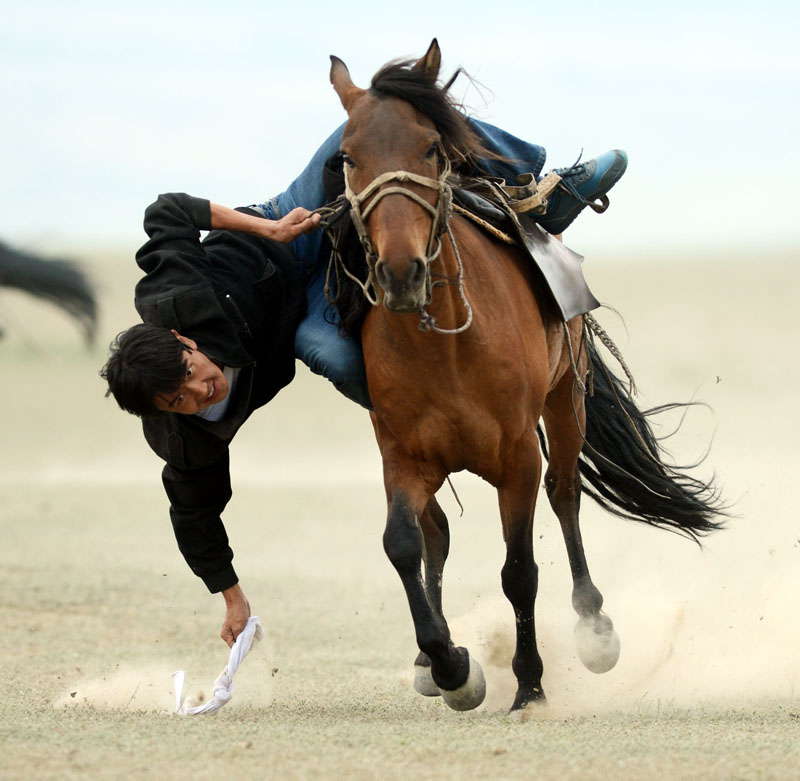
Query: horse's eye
{"type": "Point", "coordinates": [432, 152]}
{"type": "Point", "coordinates": [347, 160]}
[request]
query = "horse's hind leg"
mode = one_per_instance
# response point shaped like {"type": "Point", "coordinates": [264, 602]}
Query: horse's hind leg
{"type": "Point", "coordinates": [436, 537]}
{"type": "Point", "coordinates": [520, 575]}
{"type": "Point", "coordinates": [565, 420]}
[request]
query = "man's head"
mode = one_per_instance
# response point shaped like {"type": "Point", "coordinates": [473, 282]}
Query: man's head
{"type": "Point", "coordinates": [153, 369]}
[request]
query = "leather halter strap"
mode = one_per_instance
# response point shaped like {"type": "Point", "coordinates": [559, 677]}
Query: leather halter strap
{"type": "Point", "coordinates": [440, 224]}
{"type": "Point", "coordinates": [440, 213]}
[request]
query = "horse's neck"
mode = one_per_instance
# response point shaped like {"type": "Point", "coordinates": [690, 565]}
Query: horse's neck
{"type": "Point", "coordinates": [467, 271]}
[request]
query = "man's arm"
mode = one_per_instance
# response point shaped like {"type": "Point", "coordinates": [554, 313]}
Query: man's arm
{"type": "Point", "coordinates": [174, 255]}
{"type": "Point", "coordinates": [288, 228]}
{"type": "Point", "coordinates": [197, 499]}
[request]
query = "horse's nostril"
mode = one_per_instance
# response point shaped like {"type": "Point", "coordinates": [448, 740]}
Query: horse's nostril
{"type": "Point", "coordinates": [418, 272]}
{"type": "Point", "coordinates": [410, 279]}
{"type": "Point", "coordinates": [381, 274]}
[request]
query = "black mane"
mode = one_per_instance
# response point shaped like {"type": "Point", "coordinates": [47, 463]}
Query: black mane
{"type": "Point", "coordinates": [398, 79]}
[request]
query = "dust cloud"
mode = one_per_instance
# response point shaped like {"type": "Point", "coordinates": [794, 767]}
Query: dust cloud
{"type": "Point", "coordinates": [143, 688]}
{"type": "Point", "coordinates": [735, 646]}
{"type": "Point", "coordinates": [148, 687]}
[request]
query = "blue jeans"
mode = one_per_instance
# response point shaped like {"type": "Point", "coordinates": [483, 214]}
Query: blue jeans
{"type": "Point", "coordinates": [319, 342]}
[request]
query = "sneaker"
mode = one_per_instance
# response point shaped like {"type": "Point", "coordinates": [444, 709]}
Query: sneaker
{"type": "Point", "coordinates": [581, 185]}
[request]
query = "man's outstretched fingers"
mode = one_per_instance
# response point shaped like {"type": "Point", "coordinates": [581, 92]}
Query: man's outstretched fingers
{"type": "Point", "coordinates": [297, 215]}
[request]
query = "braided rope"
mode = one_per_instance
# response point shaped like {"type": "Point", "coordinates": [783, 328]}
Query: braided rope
{"type": "Point", "coordinates": [591, 325]}
{"type": "Point", "coordinates": [598, 330]}
{"type": "Point", "coordinates": [487, 226]}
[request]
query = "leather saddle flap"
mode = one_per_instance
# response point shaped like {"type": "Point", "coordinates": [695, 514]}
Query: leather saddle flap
{"type": "Point", "coordinates": [561, 268]}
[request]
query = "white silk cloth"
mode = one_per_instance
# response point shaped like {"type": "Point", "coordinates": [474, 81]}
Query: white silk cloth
{"type": "Point", "coordinates": [223, 685]}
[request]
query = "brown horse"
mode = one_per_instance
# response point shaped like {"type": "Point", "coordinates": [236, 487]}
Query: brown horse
{"type": "Point", "coordinates": [462, 365]}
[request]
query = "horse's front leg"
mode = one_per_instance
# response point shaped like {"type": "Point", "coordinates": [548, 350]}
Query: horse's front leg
{"type": "Point", "coordinates": [458, 677]}
{"type": "Point", "coordinates": [436, 539]}
{"type": "Point", "coordinates": [520, 574]}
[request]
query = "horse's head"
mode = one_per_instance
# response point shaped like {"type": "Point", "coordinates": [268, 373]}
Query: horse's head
{"type": "Point", "coordinates": [395, 168]}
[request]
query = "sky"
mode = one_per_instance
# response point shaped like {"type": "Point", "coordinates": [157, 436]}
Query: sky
{"type": "Point", "coordinates": [106, 105]}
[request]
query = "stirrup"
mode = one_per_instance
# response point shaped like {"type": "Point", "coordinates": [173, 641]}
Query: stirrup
{"type": "Point", "coordinates": [530, 195]}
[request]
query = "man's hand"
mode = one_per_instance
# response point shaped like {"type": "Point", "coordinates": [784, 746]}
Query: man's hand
{"type": "Point", "coordinates": [237, 611]}
{"type": "Point", "coordinates": [297, 222]}
{"type": "Point", "coordinates": [292, 225]}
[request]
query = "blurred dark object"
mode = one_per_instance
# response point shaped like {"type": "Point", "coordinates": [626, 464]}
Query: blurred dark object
{"type": "Point", "coordinates": [61, 282]}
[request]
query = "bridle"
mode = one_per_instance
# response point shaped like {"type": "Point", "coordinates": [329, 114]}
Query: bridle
{"type": "Point", "coordinates": [440, 224]}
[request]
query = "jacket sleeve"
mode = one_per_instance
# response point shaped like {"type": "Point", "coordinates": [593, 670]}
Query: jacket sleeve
{"type": "Point", "coordinates": [197, 498]}
{"type": "Point", "coordinates": [173, 223]}
{"type": "Point", "coordinates": [177, 285]}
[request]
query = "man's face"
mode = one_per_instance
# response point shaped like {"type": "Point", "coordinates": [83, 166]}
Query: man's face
{"type": "Point", "coordinates": [204, 383]}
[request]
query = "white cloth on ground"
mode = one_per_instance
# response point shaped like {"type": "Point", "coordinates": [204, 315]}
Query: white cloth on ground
{"type": "Point", "coordinates": [223, 686]}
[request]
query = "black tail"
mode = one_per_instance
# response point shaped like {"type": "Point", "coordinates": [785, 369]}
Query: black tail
{"type": "Point", "coordinates": [622, 463]}
{"type": "Point", "coordinates": [61, 282]}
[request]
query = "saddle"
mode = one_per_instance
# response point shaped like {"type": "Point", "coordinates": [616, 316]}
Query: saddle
{"type": "Point", "coordinates": [511, 210]}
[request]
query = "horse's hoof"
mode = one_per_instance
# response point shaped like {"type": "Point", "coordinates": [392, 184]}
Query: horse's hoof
{"type": "Point", "coordinates": [471, 693]}
{"type": "Point", "coordinates": [423, 681]}
{"type": "Point", "coordinates": [529, 709]}
{"type": "Point", "coordinates": [597, 643]}
{"type": "Point", "coordinates": [528, 697]}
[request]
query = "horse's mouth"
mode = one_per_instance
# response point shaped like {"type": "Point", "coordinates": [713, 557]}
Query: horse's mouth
{"type": "Point", "coordinates": [402, 306]}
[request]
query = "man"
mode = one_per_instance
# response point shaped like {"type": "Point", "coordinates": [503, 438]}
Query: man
{"type": "Point", "coordinates": [225, 318]}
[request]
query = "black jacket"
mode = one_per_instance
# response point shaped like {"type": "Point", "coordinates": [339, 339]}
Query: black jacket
{"type": "Point", "coordinates": [240, 297]}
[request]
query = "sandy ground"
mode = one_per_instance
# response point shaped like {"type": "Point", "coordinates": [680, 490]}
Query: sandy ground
{"type": "Point", "coordinates": [98, 607]}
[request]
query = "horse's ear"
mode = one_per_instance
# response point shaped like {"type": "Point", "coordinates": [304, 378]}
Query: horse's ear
{"type": "Point", "coordinates": [343, 84]}
{"type": "Point", "coordinates": [431, 62]}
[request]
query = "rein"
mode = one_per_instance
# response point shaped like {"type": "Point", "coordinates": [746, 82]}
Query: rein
{"type": "Point", "coordinates": [440, 224]}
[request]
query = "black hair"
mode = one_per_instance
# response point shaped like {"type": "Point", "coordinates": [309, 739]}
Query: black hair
{"type": "Point", "coordinates": [146, 361]}
{"type": "Point", "coordinates": [399, 79]}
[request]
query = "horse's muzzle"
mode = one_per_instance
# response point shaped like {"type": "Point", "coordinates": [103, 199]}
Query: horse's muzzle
{"type": "Point", "coordinates": [404, 291]}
